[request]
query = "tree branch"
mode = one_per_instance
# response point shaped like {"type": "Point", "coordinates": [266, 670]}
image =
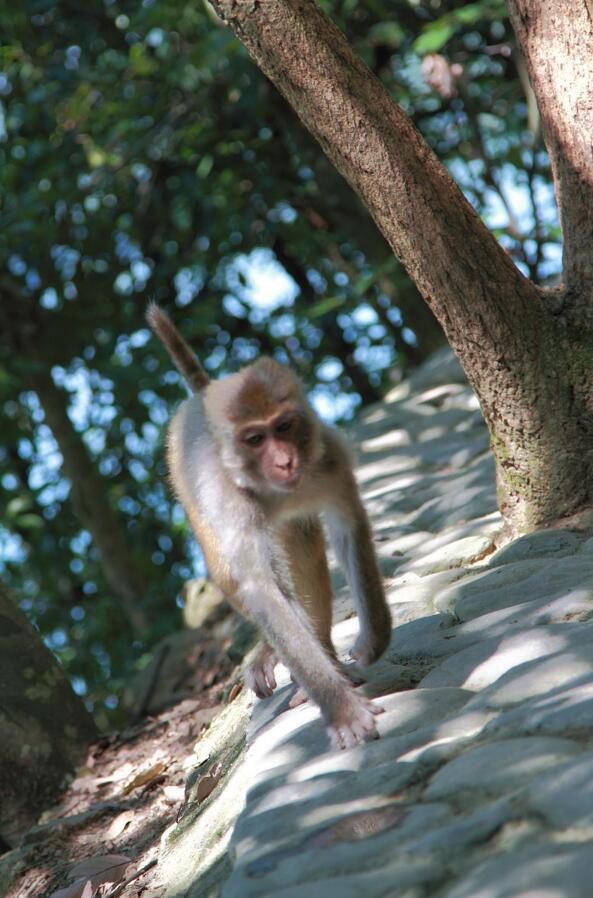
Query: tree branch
{"type": "Point", "coordinates": [91, 504]}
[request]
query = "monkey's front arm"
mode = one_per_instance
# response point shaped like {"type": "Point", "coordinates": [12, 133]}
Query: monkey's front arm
{"type": "Point", "coordinates": [349, 715]}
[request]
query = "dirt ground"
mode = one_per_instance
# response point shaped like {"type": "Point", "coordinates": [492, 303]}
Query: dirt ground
{"type": "Point", "coordinates": [102, 839]}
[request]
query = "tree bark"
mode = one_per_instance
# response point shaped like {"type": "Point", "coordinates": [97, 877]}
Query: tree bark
{"type": "Point", "coordinates": [557, 42]}
{"type": "Point", "coordinates": [528, 363]}
{"type": "Point", "coordinates": [92, 507]}
{"type": "Point", "coordinates": [45, 727]}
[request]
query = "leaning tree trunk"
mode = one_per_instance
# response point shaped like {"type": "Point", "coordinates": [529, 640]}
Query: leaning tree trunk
{"type": "Point", "coordinates": [92, 507]}
{"type": "Point", "coordinates": [527, 352]}
{"type": "Point", "coordinates": [44, 727]}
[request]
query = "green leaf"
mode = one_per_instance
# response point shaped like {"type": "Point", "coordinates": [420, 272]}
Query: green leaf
{"type": "Point", "coordinates": [17, 505]}
{"type": "Point", "coordinates": [31, 522]}
{"type": "Point", "coordinates": [140, 62]}
{"type": "Point", "coordinates": [389, 33]}
{"type": "Point", "coordinates": [469, 14]}
{"type": "Point", "coordinates": [434, 37]}
{"type": "Point", "coordinates": [205, 166]}
{"type": "Point", "coordinates": [325, 306]}
{"type": "Point", "coordinates": [363, 284]}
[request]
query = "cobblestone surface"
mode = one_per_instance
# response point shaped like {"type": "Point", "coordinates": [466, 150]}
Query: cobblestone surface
{"type": "Point", "coordinates": [480, 785]}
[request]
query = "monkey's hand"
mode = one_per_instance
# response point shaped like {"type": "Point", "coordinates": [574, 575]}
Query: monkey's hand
{"type": "Point", "coordinates": [353, 721]}
{"type": "Point", "coordinates": [259, 676]}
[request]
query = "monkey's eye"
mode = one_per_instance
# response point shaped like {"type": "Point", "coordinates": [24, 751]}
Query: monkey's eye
{"type": "Point", "coordinates": [284, 426]}
{"type": "Point", "coordinates": [254, 439]}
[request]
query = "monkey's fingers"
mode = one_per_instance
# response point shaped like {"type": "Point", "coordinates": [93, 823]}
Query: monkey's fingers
{"type": "Point", "coordinates": [356, 724]}
{"type": "Point", "coordinates": [260, 678]}
{"type": "Point", "coordinates": [352, 735]}
{"type": "Point", "coordinates": [258, 685]}
{"type": "Point", "coordinates": [268, 667]}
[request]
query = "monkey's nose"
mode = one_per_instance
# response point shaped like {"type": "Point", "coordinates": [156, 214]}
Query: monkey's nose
{"type": "Point", "coordinates": [285, 465]}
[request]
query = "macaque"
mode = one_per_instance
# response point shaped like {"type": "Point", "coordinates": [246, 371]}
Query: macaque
{"type": "Point", "coordinates": [254, 467]}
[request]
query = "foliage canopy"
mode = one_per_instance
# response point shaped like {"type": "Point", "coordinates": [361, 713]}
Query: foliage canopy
{"type": "Point", "coordinates": [143, 155]}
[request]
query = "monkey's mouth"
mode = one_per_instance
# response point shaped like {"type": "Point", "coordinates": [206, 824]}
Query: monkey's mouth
{"type": "Point", "coordinates": [288, 482]}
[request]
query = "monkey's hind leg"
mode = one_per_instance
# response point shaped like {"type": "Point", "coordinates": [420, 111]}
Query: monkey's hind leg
{"type": "Point", "coordinates": [304, 542]}
{"type": "Point", "coordinates": [305, 545]}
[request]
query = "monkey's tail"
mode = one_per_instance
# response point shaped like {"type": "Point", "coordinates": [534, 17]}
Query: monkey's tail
{"type": "Point", "coordinates": [185, 359]}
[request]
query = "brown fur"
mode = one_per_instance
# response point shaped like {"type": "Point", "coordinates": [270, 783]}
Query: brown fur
{"type": "Point", "coordinates": [177, 348]}
{"type": "Point", "coordinates": [305, 546]}
{"type": "Point", "coordinates": [267, 387]}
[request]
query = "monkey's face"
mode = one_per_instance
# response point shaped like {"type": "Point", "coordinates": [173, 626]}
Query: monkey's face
{"type": "Point", "coordinates": [274, 452]}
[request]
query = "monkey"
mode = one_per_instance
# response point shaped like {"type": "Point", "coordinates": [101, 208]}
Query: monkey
{"type": "Point", "coordinates": [254, 468]}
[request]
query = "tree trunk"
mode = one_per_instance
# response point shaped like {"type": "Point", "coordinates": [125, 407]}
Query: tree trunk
{"type": "Point", "coordinates": [91, 505]}
{"type": "Point", "coordinates": [526, 352]}
{"type": "Point", "coordinates": [45, 727]}
{"type": "Point", "coordinates": [557, 41]}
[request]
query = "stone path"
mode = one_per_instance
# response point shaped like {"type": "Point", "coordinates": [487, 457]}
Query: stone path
{"type": "Point", "coordinates": [481, 785]}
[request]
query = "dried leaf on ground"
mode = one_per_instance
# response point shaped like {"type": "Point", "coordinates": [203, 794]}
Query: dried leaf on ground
{"type": "Point", "coordinates": [237, 688]}
{"type": "Point", "coordinates": [104, 868]}
{"type": "Point", "coordinates": [145, 776]}
{"type": "Point", "coordinates": [82, 888]}
{"type": "Point", "coordinates": [119, 823]}
{"type": "Point", "coordinates": [205, 786]}
{"type": "Point", "coordinates": [92, 872]}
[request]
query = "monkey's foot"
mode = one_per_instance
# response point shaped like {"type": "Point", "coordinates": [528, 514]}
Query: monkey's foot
{"type": "Point", "coordinates": [259, 676]}
{"type": "Point", "coordinates": [370, 647]}
{"type": "Point", "coordinates": [355, 722]}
